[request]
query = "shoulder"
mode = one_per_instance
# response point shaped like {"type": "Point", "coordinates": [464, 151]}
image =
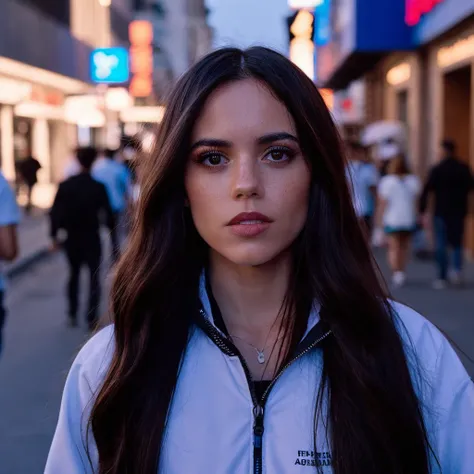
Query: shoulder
{"type": "Point", "coordinates": [385, 183]}
{"type": "Point", "coordinates": [99, 186]}
{"type": "Point", "coordinates": [415, 327]}
{"type": "Point", "coordinates": [413, 181]}
{"type": "Point", "coordinates": [93, 360]}
{"type": "Point", "coordinates": [465, 169]}
{"type": "Point", "coordinates": [429, 353]}
{"type": "Point", "coordinates": [70, 183]}
{"type": "Point", "coordinates": [67, 182]}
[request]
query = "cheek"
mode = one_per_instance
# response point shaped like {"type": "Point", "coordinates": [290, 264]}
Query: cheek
{"type": "Point", "coordinates": [293, 196]}
{"type": "Point", "coordinates": [203, 201]}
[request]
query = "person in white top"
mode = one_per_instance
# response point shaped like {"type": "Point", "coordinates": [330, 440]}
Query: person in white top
{"type": "Point", "coordinates": [398, 194]}
{"type": "Point", "coordinates": [251, 332]}
{"type": "Point", "coordinates": [9, 219]}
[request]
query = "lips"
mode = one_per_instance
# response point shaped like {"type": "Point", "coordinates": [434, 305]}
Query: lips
{"type": "Point", "coordinates": [250, 218]}
{"type": "Point", "coordinates": [249, 224]}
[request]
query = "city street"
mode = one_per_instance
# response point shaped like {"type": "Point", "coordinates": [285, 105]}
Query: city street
{"type": "Point", "coordinates": [39, 349]}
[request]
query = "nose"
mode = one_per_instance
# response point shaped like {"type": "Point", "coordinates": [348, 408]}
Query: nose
{"type": "Point", "coordinates": [246, 179]}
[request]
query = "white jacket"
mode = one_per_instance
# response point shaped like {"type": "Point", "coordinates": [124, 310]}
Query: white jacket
{"type": "Point", "coordinates": [211, 422]}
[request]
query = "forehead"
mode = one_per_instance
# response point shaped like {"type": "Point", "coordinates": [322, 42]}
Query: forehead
{"type": "Point", "coordinates": [242, 109]}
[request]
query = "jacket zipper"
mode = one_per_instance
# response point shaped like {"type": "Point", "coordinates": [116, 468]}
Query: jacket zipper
{"type": "Point", "coordinates": [259, 409]}
{"type": "Point", "coordinates": [258, 405]}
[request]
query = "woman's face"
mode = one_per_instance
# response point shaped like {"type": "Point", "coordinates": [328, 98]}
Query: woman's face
{"type": "Point", "coordinates": [247, 181]}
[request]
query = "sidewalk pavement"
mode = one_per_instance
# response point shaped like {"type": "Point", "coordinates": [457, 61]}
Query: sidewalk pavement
{"type": "Point", "coordinates": [33, 236]}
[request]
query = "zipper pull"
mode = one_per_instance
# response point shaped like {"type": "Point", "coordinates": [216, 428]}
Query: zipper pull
{"type": "Point", "coordinates": [258, 428]}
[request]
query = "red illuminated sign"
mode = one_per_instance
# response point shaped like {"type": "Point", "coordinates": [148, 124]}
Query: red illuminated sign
{"type": "Point", "coordinates": [415, 9]}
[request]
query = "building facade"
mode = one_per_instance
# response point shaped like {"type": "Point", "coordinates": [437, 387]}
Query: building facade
{"type": "Point", "coordinates": [417, 60]}
{"type": "Point", "coordinates": [45, 48]}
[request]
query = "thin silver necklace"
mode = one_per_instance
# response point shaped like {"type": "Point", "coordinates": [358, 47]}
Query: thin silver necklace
{"type": "Point", "coordinates": [260, 352]}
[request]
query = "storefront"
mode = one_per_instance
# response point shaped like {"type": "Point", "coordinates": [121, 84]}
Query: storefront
{"type": "Point", "coordinates": [36, 76]}
{"type": "Point", "coordinates": [451, 88]}
{"type": "Point", "coordinates": [32, 122]}
{"type": "Point", "coordinates": [356, 39]}
{"type": "Point", "coordinates": [446, 34]}
{"type": "Point", "coordinates": [399, 78]}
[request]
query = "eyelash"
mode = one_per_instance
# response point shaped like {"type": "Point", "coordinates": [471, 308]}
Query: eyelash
{"type": "Point", "coordinates": [283, 149]}
{"type": "Point", "coordinates": [208, 154]}
{"type": "Point", "coordinates": [278, 148]}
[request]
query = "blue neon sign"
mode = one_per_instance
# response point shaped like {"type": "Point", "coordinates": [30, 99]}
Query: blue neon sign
{"type": "Point", "coordinates": [110, 66]}
{"type": "Point", "coordinates": [322, 15]}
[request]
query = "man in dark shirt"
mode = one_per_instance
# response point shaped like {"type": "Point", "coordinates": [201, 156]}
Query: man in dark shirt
{"type": "Point", "coordinates": [28, 170]}
{"type": "Point", "coordinates": [450, 183]}
{"type": "Point", "coordinates": [78, 207]}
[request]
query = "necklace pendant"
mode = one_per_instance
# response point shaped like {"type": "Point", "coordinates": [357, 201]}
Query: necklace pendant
{"type": "Point", "coordinates": [260, 357]}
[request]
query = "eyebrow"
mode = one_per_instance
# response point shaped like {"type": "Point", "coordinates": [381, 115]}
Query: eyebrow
{"type": "Point", "coordinates": [211, 142]}
{"type": "Point", "coordinates": [263, 140]}
{"type": "Point", "coordinates": [275, 137]}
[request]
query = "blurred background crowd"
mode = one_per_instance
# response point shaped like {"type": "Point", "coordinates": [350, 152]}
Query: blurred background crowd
{"type": "Point", "coordinates": [83, 87]}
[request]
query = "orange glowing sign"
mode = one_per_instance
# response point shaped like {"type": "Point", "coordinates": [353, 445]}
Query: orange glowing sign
{"type": "Point", "coordinates": [328, 97]}
{"type": "Point", "coordinates": [141, 58]}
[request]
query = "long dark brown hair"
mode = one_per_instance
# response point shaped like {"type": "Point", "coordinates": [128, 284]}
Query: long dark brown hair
{"type": "Point", "coordinates": [374, 418]}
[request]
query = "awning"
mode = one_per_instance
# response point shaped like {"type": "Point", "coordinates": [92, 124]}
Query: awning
{"type": "Point", "coordinates": [352, 68]}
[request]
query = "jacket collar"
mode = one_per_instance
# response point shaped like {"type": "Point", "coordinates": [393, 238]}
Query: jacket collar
{"type": "Point", "coordinates": [313, 319]}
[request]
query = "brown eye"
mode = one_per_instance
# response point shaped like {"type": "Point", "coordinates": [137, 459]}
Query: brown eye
{"type": "Point", "coordinates": [278, 155]}
{"type": "Point", "coordinates": [213, 159]}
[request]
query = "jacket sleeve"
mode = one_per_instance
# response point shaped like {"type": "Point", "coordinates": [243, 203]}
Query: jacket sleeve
{"type": "Point", "coordinates": [68, 453]}
{"type": "Point", "coordinates": [57, 212]}
{"type": "Point", "coordinates": [452, 413]}
{"type": "Point", "coordinates": [72, 444]}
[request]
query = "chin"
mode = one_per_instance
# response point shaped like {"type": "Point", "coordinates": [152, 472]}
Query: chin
{"type": "Point", "coordinates": [251, 255]}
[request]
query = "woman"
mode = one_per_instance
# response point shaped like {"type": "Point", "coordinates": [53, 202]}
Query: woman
{"type": "Point", "coordinates": [398, 194]}
{"type": "Point", "coordinates": [251, 333]}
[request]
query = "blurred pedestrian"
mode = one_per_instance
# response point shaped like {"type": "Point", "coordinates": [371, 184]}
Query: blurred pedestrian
{"type": "Point", "coordinates": [116, 179]}
{"type": "Point", "coordinates": [363, 178]}
{"type": "Point", "coordinates": [28, 170]}
{"type": "Point", "coordinates": [386, 151]}
{"type": "Point", "coordinates": [9, 219]}
{"type": "Point", "coordinates": [131, 154]}
{"type": "Point", "coordinates": [131, 150]}
{"type": "Point", "coordinates": [251, 332]}
{"type": "Point", "coordinates": [398, 194]}
{"type": "Point", "coordinates": [80, 203]}
{"type": "Point", "coordinates": [449, 184]}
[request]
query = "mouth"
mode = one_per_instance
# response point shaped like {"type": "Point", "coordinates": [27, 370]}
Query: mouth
{"type": "Point", "coordinates": [250, 218]}
{"type": "Point", "coordinates": [249, 224]}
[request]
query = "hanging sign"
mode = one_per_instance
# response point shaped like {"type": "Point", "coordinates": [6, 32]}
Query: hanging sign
{"type": "Point", "coordinates": [141, 58]}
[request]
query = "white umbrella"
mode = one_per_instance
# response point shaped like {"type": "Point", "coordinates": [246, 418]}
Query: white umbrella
{"type": "Point", "coordinates": [382, 131]}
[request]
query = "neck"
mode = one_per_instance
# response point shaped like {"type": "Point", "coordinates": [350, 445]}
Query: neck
{"type": "Point", "coordinates": [250, 297]}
